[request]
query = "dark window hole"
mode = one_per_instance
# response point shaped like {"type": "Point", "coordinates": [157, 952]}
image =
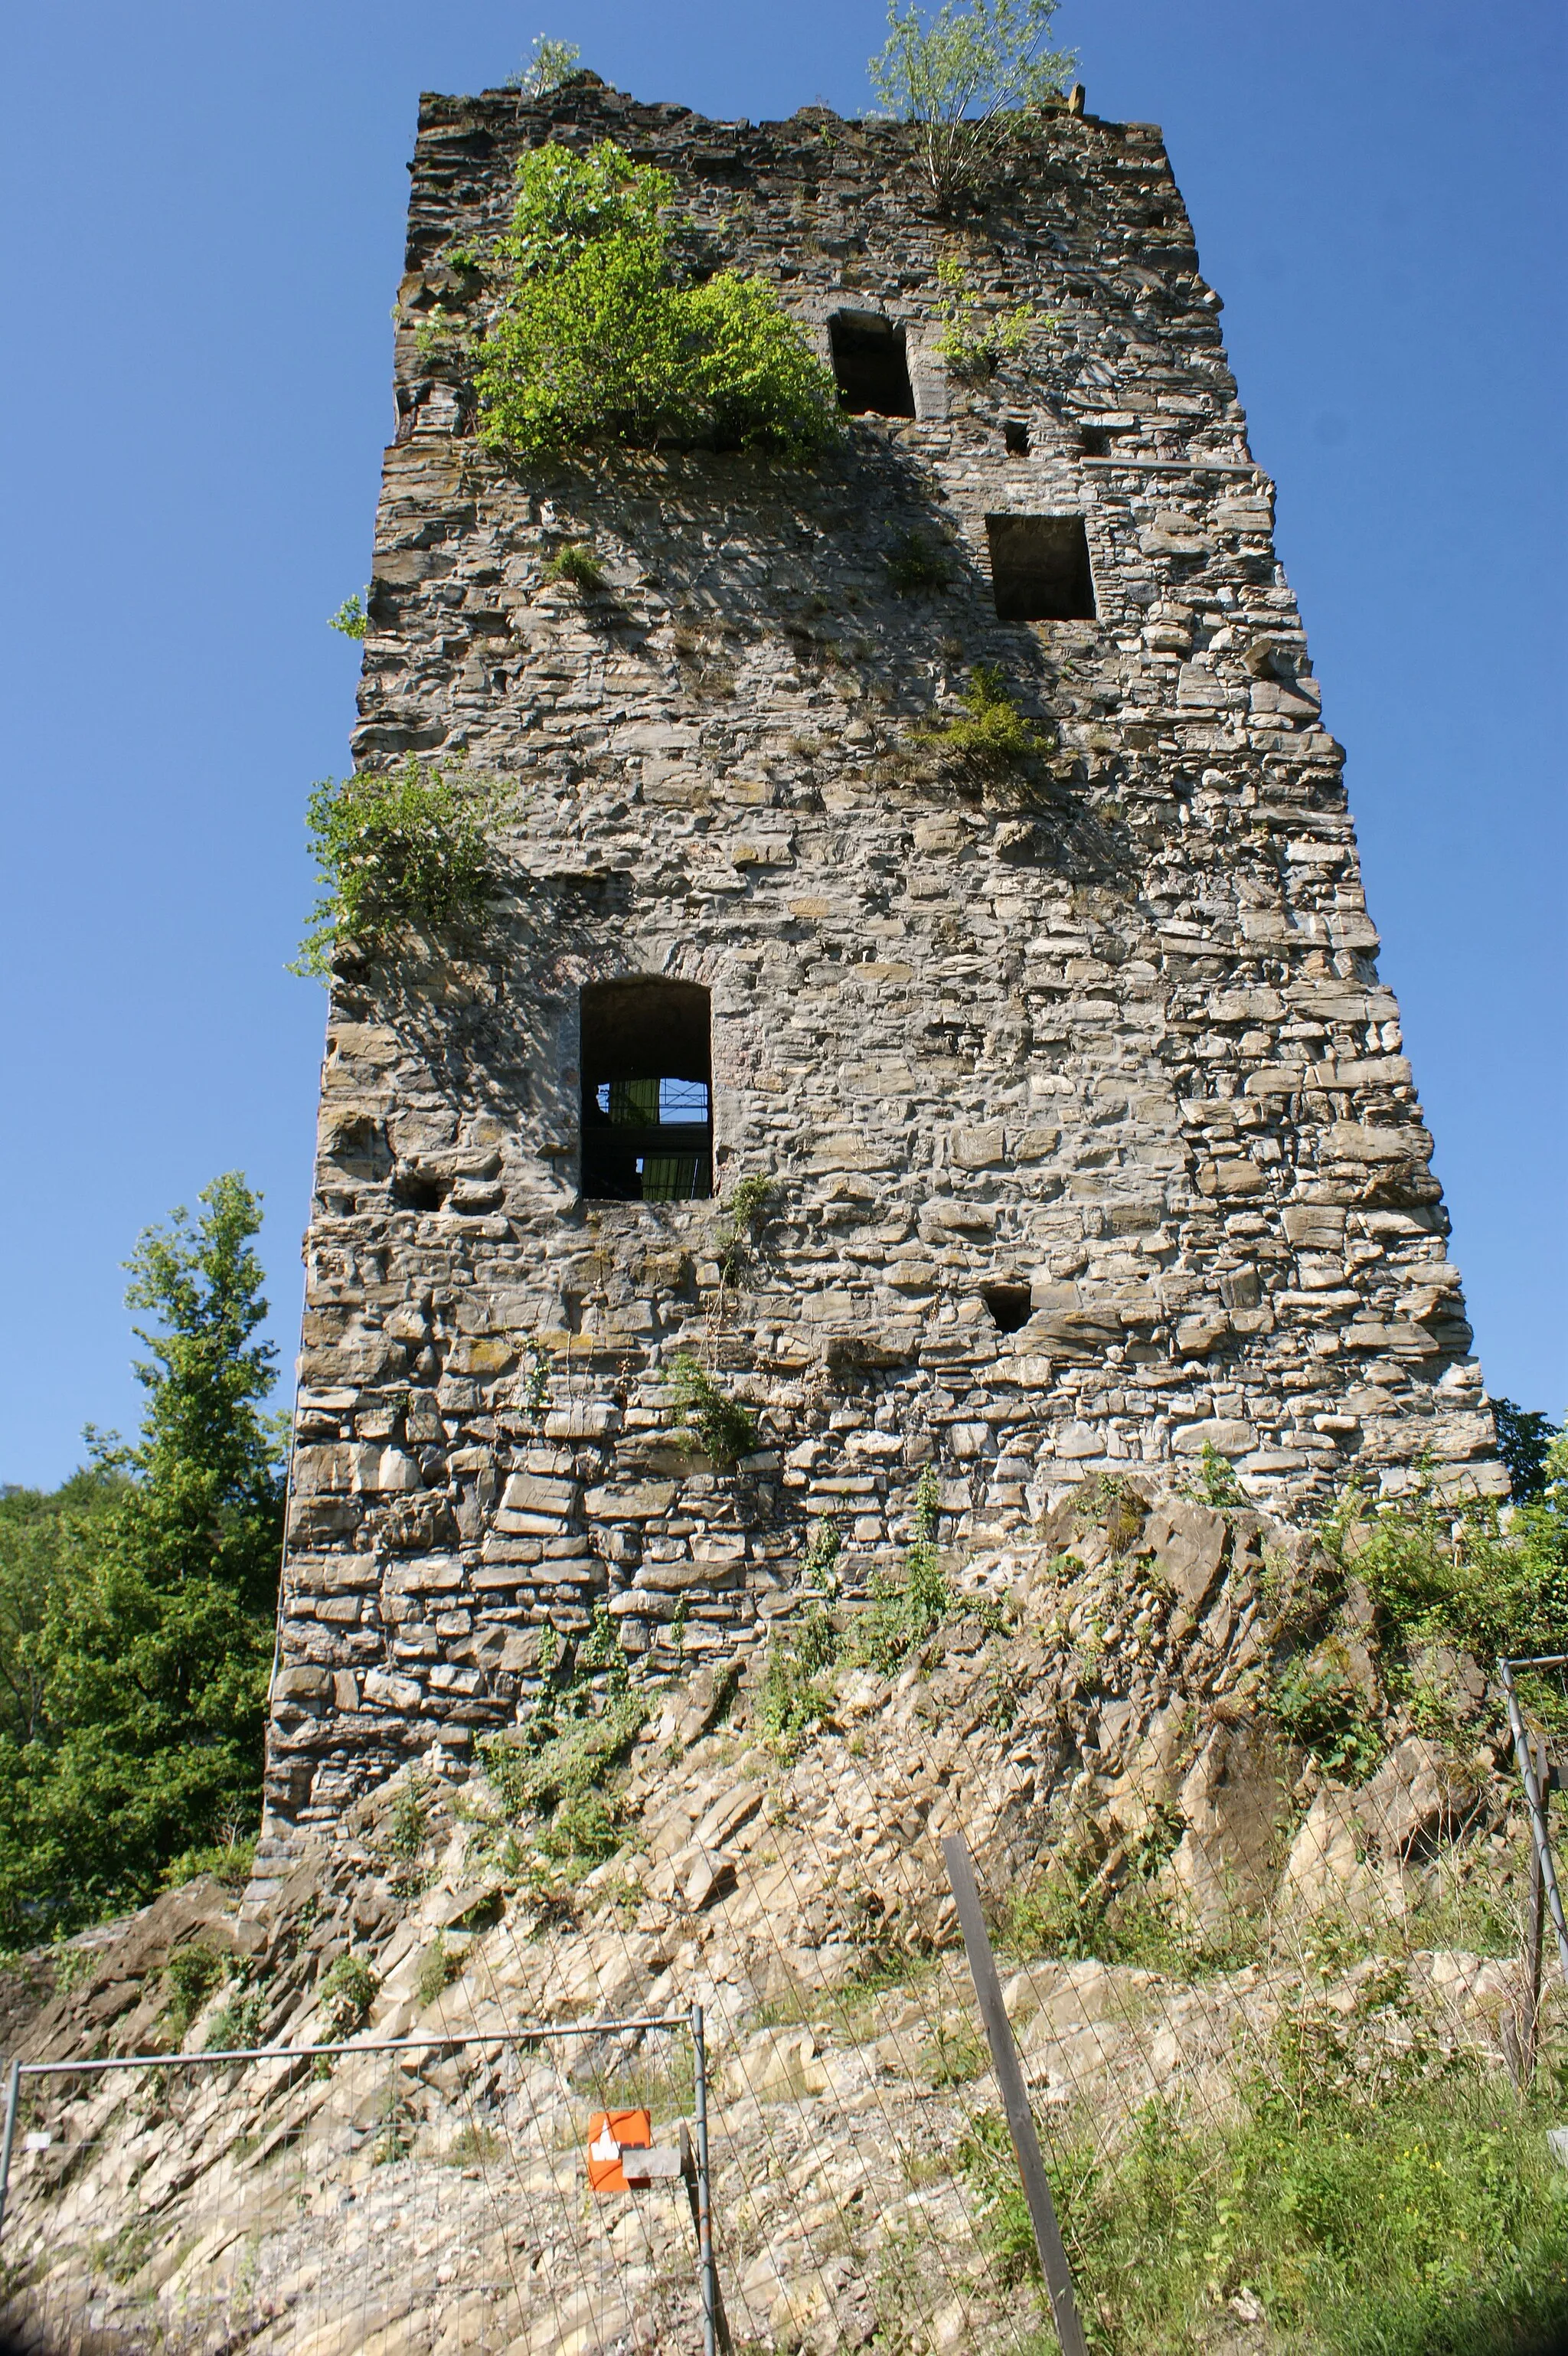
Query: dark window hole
{"type": "Point", "coordinates": [1009, 1305]}
{"type": "Point", "coordinates": [647, 1114]}
{"type": "Point", "coordinates": [417, 1192]}
{"type": "Point", "coordinates": [1015, 434]}
{"type": "Point", "coordinates": [1040, 568]}
{"type": "Point", "coordinates": [1096, 441]}
{"type": "Point", "coordinates": [871, 365]}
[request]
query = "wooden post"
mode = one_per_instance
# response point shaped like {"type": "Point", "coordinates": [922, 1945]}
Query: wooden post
{"type": "Point", "coordinates": [1015, 2097]}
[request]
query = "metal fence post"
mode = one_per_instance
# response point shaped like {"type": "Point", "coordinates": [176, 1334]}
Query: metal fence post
{"type": "Point", "coordinates": [1015, 2097]}
{"type": "Point", "coordinates": [12, 2094]}
{"type": "Point", "coordinates": [704, 2198]}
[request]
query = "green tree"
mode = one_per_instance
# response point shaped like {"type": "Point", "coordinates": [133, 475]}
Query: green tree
{"type": "Point", "coordinates": [136, 1730]}
{"type": "Point", "coordinates": [550, 63]}
{"type": "Point", "coordinates": [969, 77]}
{"type": "Point", "coordinates": [599, 334]}
{"type": "Point", "coordinates": [1524, 1441]}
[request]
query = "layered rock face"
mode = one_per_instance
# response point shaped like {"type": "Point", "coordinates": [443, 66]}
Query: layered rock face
{"type": "Point", "coordinates": [1090, 1135]}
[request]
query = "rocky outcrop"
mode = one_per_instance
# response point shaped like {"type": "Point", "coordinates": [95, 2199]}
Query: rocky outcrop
{"type": "Point", "coordinates": [1165, 1868]}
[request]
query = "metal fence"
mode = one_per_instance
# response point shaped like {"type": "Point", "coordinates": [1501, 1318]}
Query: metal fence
{"type": "Point", "coordinates": [363, 2194]}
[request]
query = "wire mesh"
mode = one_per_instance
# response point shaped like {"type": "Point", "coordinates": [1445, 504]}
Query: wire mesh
{"type": "Point", "coordinates": [434, 2199]}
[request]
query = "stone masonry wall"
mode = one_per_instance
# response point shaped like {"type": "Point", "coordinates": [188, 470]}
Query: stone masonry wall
{"type": "Point", "coordinates": [1117, 1036]}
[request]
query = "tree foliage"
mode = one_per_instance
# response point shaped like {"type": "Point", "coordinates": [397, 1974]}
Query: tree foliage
{"type": "Point", "coordinates": [969, 76]}
{"type": "Point", "coordinates": [408, 850]}
{"type": "Point", "coordinates": [1524, 1443]}
{"type": "Point", "coordinates": [136, 1603]}
{"type": "Point", "coordinates": [601, 334]}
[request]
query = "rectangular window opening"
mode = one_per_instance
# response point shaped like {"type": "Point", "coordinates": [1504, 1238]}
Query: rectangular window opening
{"type": "Point", "coordinates": [871, 365]}
{"type": "Point", "coordinates": [1015, 434]}
{"type": "Point", "coordinates": [1040, 568]}
{"type": "Point", "coordinates": [647, 1112]}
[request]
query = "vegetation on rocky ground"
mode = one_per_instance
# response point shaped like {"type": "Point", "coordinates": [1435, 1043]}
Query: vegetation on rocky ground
{"type": "Point", "coordinates": [137, 1602]}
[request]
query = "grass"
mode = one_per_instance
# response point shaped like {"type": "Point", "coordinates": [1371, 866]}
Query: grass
{"type": "Point", "coordinates": [1371, 2194]}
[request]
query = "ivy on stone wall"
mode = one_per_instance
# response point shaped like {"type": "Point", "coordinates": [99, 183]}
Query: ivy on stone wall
{"type": "Point", "coordinates": [601, 332]}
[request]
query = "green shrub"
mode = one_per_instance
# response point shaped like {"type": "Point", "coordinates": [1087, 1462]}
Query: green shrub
{"type": "Point", "coordinates": [793, 1698]}
{"type": "Point", "coordinates": [347, 1992]}
{"type": "Point", "coordinates": [439, 1966]}
{"type": "Point", "coordinates": [905, 1612]}
{"type": "Point", "coordinates": [189, 1977]}
{"type": "Point", "coordinates": [406, 850]}
{"type": "Point", "coordinates": [350, 618]}
{"type": "Point", "coordinates": [725, 1430]}
{"type": "Point", "coordinates": [993, 736]}
{"type": "Point", "coordinates": [1445, 1573]}
{"type": "Point", "coordinates": [598, 335]}
{"type": "Point", "coordinates": [227, 1861]}
{"type": "Point", "coordinates": [235, 2026]}
{"type": "Point", "coordinates": [406, 1832]}
{"type": "Point", "coordinates": [918, 566]}
{"type": "Point", "coordinates": [975, 340]}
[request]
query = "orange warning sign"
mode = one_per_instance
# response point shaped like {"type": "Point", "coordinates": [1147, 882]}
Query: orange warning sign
{"type": "Point", "coordinates": [609, 2134]}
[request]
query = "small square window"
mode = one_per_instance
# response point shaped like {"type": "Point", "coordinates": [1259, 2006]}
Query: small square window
{"type": "Point", "coordinates": [1015, 434]}
{"type": "Point", "coordinates": [1040, 568]}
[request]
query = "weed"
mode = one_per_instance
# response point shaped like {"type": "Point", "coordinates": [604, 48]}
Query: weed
{"type": "Point", "coordinates": [537, 1400]}
{"type": "Point", "coordinates": [903, 1613]}
{"type": "Point", "coordinates": [574, 567]}
{"type": "Point", "coordinates": [724, 1428]}
{"type": "Point", "coordinates": [439, 1966]}
{"type": "Point", "coordinates": [1213, 1480]}
{"type": "Point", "coordinates": [918, 566]}
{"type": "Point", "coordinates": [1320, 1705]}
{"type": "Point", "coordinates": [69, 1966]}
{"type": "Point", "coordinates": [750, 1207]}
{"type": "Point", "coordinates": [406, 1832]}
{"type": "Point", "coordinates": [473, 2147]}
{"type": "Point", "coordinates": [556, 1770]}
{"type": "Point", "coordinates": [792, 1700]}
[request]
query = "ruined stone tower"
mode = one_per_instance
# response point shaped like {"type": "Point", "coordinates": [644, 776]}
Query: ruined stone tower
{"type": "Point", "coordinates": [1090, 1133]}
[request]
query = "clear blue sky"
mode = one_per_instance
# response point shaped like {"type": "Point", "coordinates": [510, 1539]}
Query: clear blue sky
{"type": "Point", "coordinates": [204, 208]}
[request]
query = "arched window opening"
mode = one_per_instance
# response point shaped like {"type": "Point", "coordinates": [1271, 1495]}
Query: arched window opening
{"type": "Point", "coordinates": [647, 1111]}
{"type": "Point", "coordinates": [870, 364]}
